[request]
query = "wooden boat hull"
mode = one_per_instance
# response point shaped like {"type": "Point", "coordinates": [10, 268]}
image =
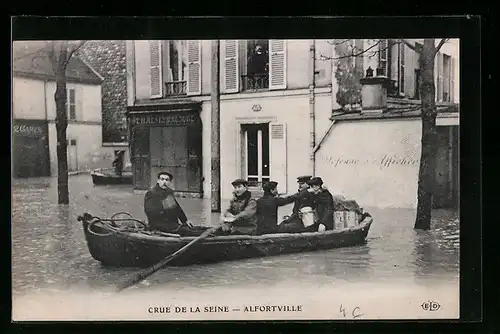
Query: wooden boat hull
{"type": "Point", "coordinates": [105, 176]}
{"type": "Point", "coordinates": [138, 249]}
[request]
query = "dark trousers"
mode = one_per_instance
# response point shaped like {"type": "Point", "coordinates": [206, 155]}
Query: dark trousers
{"type": "Point", "coordinates": [295, 225]}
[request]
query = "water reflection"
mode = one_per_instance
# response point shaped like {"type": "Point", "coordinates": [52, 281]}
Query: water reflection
{"type": "Point", "coordinates": [49, 250]}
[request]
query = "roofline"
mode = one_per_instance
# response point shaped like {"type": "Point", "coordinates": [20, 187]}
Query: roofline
{"type": "Point", "coordinates": [51, 77]}
{"type": "Point", "coordinates": [91, 68]}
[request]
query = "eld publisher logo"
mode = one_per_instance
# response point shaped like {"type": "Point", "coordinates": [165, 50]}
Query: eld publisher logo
{"type": "Point", "coordinates": [431, 306]}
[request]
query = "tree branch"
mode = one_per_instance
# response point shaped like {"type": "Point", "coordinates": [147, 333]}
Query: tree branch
{"type": "Point", "coordinates": [71, 52]}
{"type": "Point", "coordinates": [51, 53]}
{"type": "Point", "coordinates": [338, 43]}
{"type": "Point", "coordinates": [29, 54]}
{"type": "Point", "coordinates": [408, 44]}
{"type": "Point", "coordinates": [352, 54]}
{"type": "Point", "coordinates": [441, 42]}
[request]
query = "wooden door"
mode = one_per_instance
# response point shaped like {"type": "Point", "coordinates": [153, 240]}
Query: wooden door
{"type": "Point", "coordinates": [177, 149]}
{"type": "Point", "coordinates": [194, 163]}
{"type": "Point", "coordinates": [169, 153]}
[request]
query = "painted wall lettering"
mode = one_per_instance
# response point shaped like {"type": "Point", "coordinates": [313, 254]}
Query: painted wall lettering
{"type": "Point", "coordinates": [384, 161]}
{"type": "Point", "coordinates": [164, 119]}
{"type": "Point", "coordinates": [27, 129]}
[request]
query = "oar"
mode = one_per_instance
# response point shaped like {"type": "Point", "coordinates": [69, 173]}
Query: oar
{"type": "Point", "coordinates": [149, 271]}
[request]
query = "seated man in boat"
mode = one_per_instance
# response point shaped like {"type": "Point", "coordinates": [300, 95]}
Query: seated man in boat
{"type": "Point", "coordinates": [294, 224]}
{"type": "Point", "coordinates": [267, 207]}
{"type": "Point", "coordinates": [163, 210]}
{"type": "Point", "coordinates": [323, 203]}
{"type": "Point", "coordinates": [240, 217]}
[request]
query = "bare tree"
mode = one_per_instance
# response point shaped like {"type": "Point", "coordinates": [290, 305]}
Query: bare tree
{"type": "Point", "coordinates": [59, 53]}
{"type": "Point", "coordinates": [427, 53]}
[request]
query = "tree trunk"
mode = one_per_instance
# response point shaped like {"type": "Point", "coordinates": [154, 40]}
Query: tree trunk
{"type": "Point", "coordinates": [215, 163]}
{"type": "Point", "coordinates": [428, 154]}
{"type": "Point", "coordinates": [60, 97]}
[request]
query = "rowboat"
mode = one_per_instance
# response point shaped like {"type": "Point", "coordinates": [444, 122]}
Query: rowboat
{"type": "Point", "coordinates": [108, 176]}
{"type": "Point", "coordinates": [121, 246]}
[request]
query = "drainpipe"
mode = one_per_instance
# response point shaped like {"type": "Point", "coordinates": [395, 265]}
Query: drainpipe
{"type": "Point", "coordinates": [312, 73]}
{"type": "Point", "coordinates": [46, 107]}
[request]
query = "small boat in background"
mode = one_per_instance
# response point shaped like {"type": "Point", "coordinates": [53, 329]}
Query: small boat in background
{"type": "Point", "coordinates": [104, 176]}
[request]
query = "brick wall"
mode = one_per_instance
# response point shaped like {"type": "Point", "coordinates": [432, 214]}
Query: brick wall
{"type": "Point", "coordinates": [108, 59]}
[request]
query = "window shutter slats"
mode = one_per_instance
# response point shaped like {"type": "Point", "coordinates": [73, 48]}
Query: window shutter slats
{"type": "Point", "coordinates": [277, 64]}
{"type": "Point", "coordinates": [231, 68]}
{"type": "Point", "coordinates": [439, 88]}
{"type": "Point", "coordinates": [278, 155]}
{"type": "Point", "coordinates": [382, 56]}
{"type": "Point", "coordinates": [155, 77]}
{"type": "Point", "coordinates": [194, 68]}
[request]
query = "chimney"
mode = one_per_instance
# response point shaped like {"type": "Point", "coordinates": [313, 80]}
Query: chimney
{"type": "Point", "coordinates": [374, 92]}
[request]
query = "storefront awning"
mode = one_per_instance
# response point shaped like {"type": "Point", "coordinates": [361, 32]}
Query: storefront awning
{"type": "Point", "coordinates": [164, 105]}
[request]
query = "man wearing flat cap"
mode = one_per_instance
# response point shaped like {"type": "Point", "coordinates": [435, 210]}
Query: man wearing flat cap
{"type": "Point", "coordinates": [293, 224]}
{"type": "Point", "coordinates": [323, 202]}
{"type": "Point", "coordinates": [162, 209]}
{"type": "Point", "coordinates": [267, 207]}
{"type": "Point", "coordinates": [304, 200]}
{"type": "Point", "coordinates": [240, 217]}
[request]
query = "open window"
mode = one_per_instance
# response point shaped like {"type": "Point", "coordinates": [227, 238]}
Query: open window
{"type": "Point", "coordinates": [256, 66]}
{"type": "Point", "coordinates": [252, 65]}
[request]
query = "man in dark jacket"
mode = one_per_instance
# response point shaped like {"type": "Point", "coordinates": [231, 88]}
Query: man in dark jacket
{"type": "Point", "coordinates": [267, 207]}
{"type": "Point", "coordinates": [162, 209]}
{"type": "Point", "coordinates": [323, 202]}
{"type": "Point", "coordinates": [240, 217]}
{"type": "Point", "coordinates": [294, 224]}
{"type": "Point", "coordinates": [303, 201]}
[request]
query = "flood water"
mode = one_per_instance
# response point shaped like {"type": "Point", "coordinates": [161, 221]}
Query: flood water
{"type": "Point", "coordinates": [49, 252]}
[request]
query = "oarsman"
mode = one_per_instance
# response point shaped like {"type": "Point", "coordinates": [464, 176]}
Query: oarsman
{"type": "Point", "coordinates": [164, 212]}
{"type": "Point", "coordinates": [267, 207]}
{"type": "Point", "coordinates": [240, 217]}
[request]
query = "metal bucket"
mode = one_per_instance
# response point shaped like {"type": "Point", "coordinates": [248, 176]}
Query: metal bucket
{"type": "Point", "coordinates": [307, 215]}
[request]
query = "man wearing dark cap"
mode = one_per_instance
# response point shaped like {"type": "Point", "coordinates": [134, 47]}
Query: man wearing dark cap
{"type": "Point", "coordinates": [267, 207]}
{"type": "Point", "coordinates": [293, 224]}
{"type": "Point", "coordinates": [162, 209]}
{"type": "Point", "coordinates": [323, 202]}
{"type": "Point", "coordinates": [305, 200]}
{"type": "Point", "coordinates": [240, 217]}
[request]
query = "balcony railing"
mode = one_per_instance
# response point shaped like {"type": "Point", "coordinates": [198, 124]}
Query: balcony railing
{"type": "Point", "coordinates": [255, 81]}
{"type": "Point", "coordinates": [175, 88]}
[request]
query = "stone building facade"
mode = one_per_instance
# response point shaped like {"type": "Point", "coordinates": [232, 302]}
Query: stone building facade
{"type": "Point", "coordinates": [107, 57]}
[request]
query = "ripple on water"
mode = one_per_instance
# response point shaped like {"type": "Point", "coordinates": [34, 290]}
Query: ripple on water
{"type": "Point", "coordinates": [49, 249]}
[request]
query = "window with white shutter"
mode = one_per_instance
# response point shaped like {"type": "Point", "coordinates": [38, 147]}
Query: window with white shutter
{"type": "Point", "coordinates": [71, 103]}
{"type": "Point", "coordinates": [155, 75]}
{"type": "Point", "coordinates": [231, 76]}
{"type": "Point", "coordinates": [278, 154]}
{"type": "Point", "coordinates": [277, 64]}
{"type": "Point", "coordinates": [439, 76]}
{"type": "Point", "coordinates": [382, 56]}
{"type": "Point", "coordinates": [194, 68]}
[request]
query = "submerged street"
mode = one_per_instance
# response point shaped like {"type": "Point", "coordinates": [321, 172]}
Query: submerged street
{"type": "Point", "coordinates": [49, 252]}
